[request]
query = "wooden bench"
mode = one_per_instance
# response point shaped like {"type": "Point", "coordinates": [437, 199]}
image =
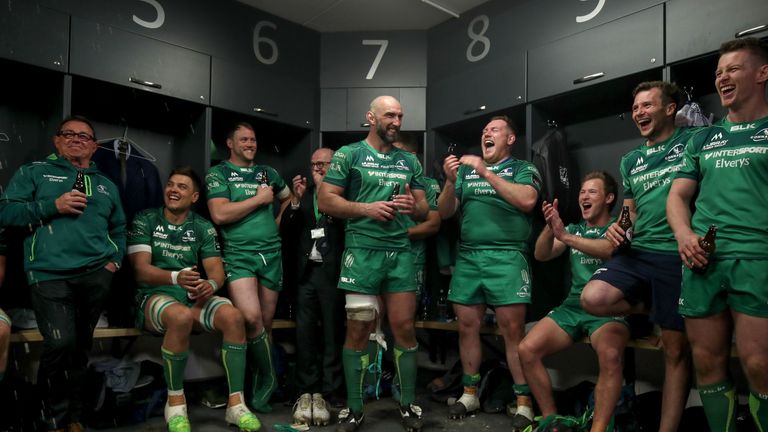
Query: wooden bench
{"type": "Point", "coordinates": [34, 335]}
{"type": "Point", "coordinates": [641, 343]}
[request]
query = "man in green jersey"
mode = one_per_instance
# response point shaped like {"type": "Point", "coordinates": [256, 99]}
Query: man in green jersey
{"type": "Point", "coordinates": [727, 165]}
{"type": "Point", "coordinates": [376, 187]}
{"type": "Point", "coordinates": [165, 246]}
{"type": "Point", "coordinates": [5, 321]}
{"type": "Point", "coordinates": [495, 193]}
{"type": "Point", "coordinates": [77, 242]}
{"type": "Point", "coordinates": [646, 277]}
{"type": "Point", "coordinates": [568, 322]}
{"type": "Point", "coordinates": [420, 231]}
{"type": "Point", "coordinates": [240, 199]}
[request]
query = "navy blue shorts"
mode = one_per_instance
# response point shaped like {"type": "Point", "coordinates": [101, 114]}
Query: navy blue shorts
{"type": "Point", "coordinates": [648, 277]}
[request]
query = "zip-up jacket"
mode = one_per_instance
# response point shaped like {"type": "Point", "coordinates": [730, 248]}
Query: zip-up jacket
{"type": "Point", "coordinates": [63, 246]}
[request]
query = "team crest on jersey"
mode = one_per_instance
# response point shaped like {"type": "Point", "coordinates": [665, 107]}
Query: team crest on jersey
{"type": "Point", "coordinates": [188, 236]}
{"type": "Point", "coordinates": [762, 135]}
{"type": "Point", "coordinates": [675, 152]}
{"type": "Point", "coordinates": [507, 172]}
{"type": "Point", "coordinates": [400, 164]}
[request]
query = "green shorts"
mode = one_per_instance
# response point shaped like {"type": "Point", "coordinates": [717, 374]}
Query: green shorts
{"type": "Point", "coordinates": [375, 272]}
{"type": "Point", "coordinates": [494, 277]}
{"type": "Point", "coordinates": [267, 267]}
{"type": "Point", "coordinates": [4, 318]}
{"type": "Point", "coordinates": [736, 283]}
{"type": "Point", "coordinates": [577, 323]}
{"type": "Point", "coordinates": [158, 302]}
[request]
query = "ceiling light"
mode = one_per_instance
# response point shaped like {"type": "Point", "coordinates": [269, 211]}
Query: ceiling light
{"type": "Point", "coordinates": [441, 7]}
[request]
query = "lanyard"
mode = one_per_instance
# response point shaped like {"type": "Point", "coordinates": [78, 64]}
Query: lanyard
{"type": "Point", "coordinates": [314, 203]}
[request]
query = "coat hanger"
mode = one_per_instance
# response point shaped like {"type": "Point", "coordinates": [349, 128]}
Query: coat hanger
{"type": "Point", "coordinates": [115, 144]}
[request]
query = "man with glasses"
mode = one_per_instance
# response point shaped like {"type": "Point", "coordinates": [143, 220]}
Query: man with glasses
{"type": "Point", "coordinates": [76, 242]}
{"type": "Point", "coordinates": [240, 198]}
{"type": "Point", "coordinates": [314, 242]}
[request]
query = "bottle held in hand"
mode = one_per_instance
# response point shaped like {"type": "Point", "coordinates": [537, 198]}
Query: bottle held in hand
{"type": "Point", "coordinates": [264, 180]}
{"type": "Point", "coordinates": [708, 244]}
{"type": "Point", "coordinates": [625, 222]}
{"type": "Point", "coordinates": [395, 191]}
{"type": "Point", "coordinates": [79, 184]}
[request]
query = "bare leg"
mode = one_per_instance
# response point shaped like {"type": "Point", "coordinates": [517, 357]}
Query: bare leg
{"type": "Point", "coordinates": [609, 342]}
{"type": "Point", "coordinates": [677, 371]}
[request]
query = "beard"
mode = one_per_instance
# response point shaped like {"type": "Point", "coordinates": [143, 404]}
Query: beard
{"type": "Point", "coordinates": [382, 133]}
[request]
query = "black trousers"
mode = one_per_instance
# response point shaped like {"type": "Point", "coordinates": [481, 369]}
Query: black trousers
{"type": "Point", "coordinates": [318, 351]}
{"type": "Point", "coordinates": [67, 312]}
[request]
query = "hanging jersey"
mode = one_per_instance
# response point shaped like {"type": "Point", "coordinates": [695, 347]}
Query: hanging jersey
{"type": "Point", "coordinates": [730, 163]}
{"type": "Point", "coordinates": [257, 231]}
{"type": "Point", "coordinates": [488, 221]}
{"type": "Point", "coordinates": [647, 174]}
{"type": "Point", "coordinates": [173, 247]}
{"type": "Point", "coordinates": [583, 265]}
{"type": "Point", "coordinates": [369, 176]}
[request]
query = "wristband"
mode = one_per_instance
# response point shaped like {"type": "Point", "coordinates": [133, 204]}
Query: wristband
{"type": "Point", "coordinates": [174, 277]}
{"type": "Point", "coordinates": [214, 285]}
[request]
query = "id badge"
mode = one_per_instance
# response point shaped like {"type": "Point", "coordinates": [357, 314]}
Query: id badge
{"type": "Point", "coordinates": [318, 233]}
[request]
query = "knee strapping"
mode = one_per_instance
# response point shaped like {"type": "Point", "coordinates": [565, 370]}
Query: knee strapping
{"type": "Point", "coordinates": [361, 307]}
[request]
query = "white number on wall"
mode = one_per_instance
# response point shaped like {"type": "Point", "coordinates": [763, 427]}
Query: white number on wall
{"type": "Point", "coordinates": [159, 20]}
{"type": "Point", "coordinates": [383, 44]}
{"type": "Point", "coordinates": [258, 40]}
{"type": "Point", "coordinates": [478, 38]}
{"type": "Point", "coordinates": [595, 11]}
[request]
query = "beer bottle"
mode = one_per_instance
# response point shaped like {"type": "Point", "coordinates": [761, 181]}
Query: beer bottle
{"type": "Point", "coordinates": [264, 181]}
{"type": "Point", "coordinates": [79, 184]}
{"type": "Point", "coordinates": [625, 222]}
{"type": "Point", "coordinates": [708, 244]}
{"type": "Point", "coordinates": [395, 191]}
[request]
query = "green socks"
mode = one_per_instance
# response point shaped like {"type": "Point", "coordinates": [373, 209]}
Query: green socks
{"type": "Point", "coordinates": [355, 365]}
{"type": "Point", "coordinates": [264, 379]}
{"type": "Point", "coordinates": [521, 390]}
{"type": "Point", "coordinates": [173, 368]}
{"type": "Point", "coordinates": [405, 364]}
{"type": "Point", "coordinates": [758, 407]}
{"type": "Point", "coordinates": [719, 402]}
{"type": "Point", "coordinates": [470, 380]}
{"type": "Point", "coordinates": [233, 358]}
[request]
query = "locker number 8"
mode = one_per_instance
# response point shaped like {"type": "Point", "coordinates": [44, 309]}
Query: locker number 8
{"type": "Point", "coordinates": [478, 38]}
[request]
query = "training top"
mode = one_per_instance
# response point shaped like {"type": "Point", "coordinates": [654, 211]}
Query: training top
{"type": "Point", "coordinates": [368, 176]}
{"type": "Point", "coordinates": [488, 221]}
{"type": "Point", "coordinates": [730, 163]}
{"type": "Point", "coordinates": [64, 246]}
{"type": "Point", "coordinates": [583, 265]}
{"type": "Point", "coordinates": [647, 174]}
{"type": "Point", "coordinates": [173, 247]}
{"type": "Point", "coordinates": [432, 190]}
{"type": "Point", "coordinates": [258, 230]}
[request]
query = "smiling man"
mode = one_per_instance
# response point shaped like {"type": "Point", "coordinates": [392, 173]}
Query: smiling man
{"type": "Point", "coordinates": [361, 186]}
{"type": "Point", "coordinates": [165, 246]}
{"type": "Point", "coordinates": [568, 322]}
{"type": "Point", "coordinates": [240, 198]}
{"type": "Point", "coordinates": [495, 194]}
{"type": "Point", "coordinates": [646, 279]}
{"type": "Point", "coordinates": [76, 242]}
{"type": "Point", "coordinates": [727, 164]}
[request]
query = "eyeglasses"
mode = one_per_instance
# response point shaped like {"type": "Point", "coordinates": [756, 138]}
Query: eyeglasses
{"type": "Point", "coordinates": [82, 136]}
{"type": "Point", "coordinates": [319, 164]}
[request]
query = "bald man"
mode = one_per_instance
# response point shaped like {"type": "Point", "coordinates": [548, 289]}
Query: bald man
{"type": "Point", "coordinates": [314, 242]}
{"type": "Point", "coordinates": [377, 187]}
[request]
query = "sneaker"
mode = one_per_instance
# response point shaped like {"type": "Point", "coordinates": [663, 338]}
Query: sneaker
{"type": "Point", "coordinates": [467, 404]}
{"type": "Point", "coordinates": [348, 421]}
{"type": "Point", "coordinates": [240, 416]}
{"type": "Point", "coordinates": [302, 409]}
{"type": "Point", "coordinates": [177, 419]}
{"type": "Point", "coordinates": [523, 418]}
{"type": "Point", "coordinates": [411, 417]}
{"type": "Point", "coordinates": [320, 414]}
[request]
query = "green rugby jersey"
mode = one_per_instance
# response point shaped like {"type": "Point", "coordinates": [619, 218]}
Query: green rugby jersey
{"type": "Point", "coordinates": [369, 176]}
{"type": "Point", "coordinates": [488, 221]}
{"type": "Point", "coordinates": [583, 265]}
{"type": "Point", "coordinates": [432, 190]}
{"type": "Point", "coordinates": [258, 230]}
{"type": "Point", "coordinates": [730, 163]}
{"type": "Point", "coordinates": [647, 174]}
{"type": "Point", "coordinates": [173, 247]}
